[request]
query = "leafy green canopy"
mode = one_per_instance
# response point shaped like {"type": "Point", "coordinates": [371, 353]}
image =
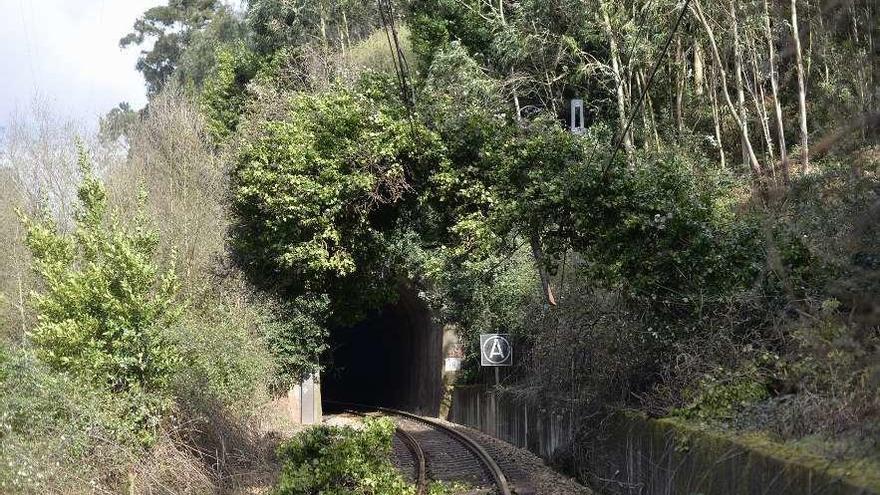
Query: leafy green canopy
{"type": "Point", "coordinates": [105, 307]}
{"type": "Point", "coordinates": [185, 34]}
{"type": "Point", "coordinates": [321, 187]}
{"type": "Point", "coordinates": [223, 94]}
{"type": "Point", "coordinates": [275, 25]}
{"type": "Point", "coordinates": [338, 193]}
{"type": "Point", "coordinates": [658, 229]}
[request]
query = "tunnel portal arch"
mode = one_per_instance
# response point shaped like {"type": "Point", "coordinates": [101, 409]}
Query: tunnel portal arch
{"type": "Point", "coordinates": [393, 358]}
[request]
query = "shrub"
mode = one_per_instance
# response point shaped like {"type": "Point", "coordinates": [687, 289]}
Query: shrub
{"type": "Point", "coordinates": [665, 232]}
{"type": "Point", "coordinates": [341, 461]}
{"type": "Point", "coordinates": [105, 307]}
{"type": "Point", "coordinates": [56, 430]}
{"type": "Point", "coordinates": [723, 392]}
{"type": "Point", "coordinates": [296, 336]}
{"type": "Point", "coordinates": [223, 353]}
{"type": "Point", "coordinates": [223, 95]}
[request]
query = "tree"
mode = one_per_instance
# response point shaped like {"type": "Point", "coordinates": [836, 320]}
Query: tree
{"type": "Point", "coordinates": [802, 89]}
{"type": "Point", "coordinates": [118, 123]}
{"type": "Point", "coordinates": [744, 134]}
{"type": "Point", "coordinates": [740, 94]}
{"type": "Point", "coordinates": [105, 308]}
{"type": "Point", "coordinates": [774, 86]}
{"type": "Point", "coordinates": [619, 84]}
{"type": "Point", "coordinates": [172, 28]}
{"type": "Point", "coordinates": [319, 186]}
{"type": "Point", "coordinates": [294, 23]}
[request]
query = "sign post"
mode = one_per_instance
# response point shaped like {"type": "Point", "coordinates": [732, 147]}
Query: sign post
{"type": "Point", "coordinates": [495, 352]}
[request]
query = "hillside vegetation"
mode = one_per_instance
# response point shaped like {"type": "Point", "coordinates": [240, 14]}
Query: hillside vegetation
{"type": "Point", "coordinates": [706, 247]}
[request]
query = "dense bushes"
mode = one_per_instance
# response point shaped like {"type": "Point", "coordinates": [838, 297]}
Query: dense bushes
{"type": "Point", "coordinates": [665, 232]}
{"type": "Point", "coordinates": [57, 430]}
{"type": "Point", "coordinates": [341, 461]}
{"type": "Point", "coordinates": [147, 361]}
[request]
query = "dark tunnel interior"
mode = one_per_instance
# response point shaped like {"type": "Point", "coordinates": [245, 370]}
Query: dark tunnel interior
{"type": "Point", "coordinates": [392, 359]}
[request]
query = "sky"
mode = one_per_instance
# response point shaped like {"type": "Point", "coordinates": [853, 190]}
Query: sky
{"type": "Point", "coordinates": [66, 52]}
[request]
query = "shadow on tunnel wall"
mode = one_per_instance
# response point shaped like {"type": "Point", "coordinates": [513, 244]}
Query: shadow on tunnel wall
{"type": "Point", "coordinates": [392, 359]}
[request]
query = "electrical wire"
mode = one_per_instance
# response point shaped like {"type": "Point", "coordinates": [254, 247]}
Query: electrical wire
{"type": "Point", "coordinates": [627, 58]}
{"type": "Point", "coordinates": [401, 67]}
{"type": "Point", "coordinates": [641, 99]}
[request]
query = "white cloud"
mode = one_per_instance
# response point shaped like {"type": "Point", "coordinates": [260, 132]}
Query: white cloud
{"type": "Point", "coordinates": [68, 51]}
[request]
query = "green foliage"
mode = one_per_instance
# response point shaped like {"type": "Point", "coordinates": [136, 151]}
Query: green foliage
{"type": "Point", "coordinates": [224, 356]}
{"type": "Point", "coordinates": [52, 426]}
{"type": "Point", "coordinates": [296, 336]}
{"type": "Point", "coordinates": [119, 122]}
{"type": "Point", "coordinates": [105, 308]}
{"type": "Point", "coordinates": [832, 357]}
{"type": "Point", "coordinates": [174, 28]}
{"type": "Point", "coordinates": [664, 232]}
{"type": "Point", "coordinates": [276, 25]}
{"type": "Point", "coordinates": [199, 57]}
{"type": "Point", "coordinates": [723, 392]}
{"type": "Point", "coordinates": [339, 193]}
{"type": "Point", "coordinates": [341, 461]}
{"type": "Point", "coordinates": [319, 188]}
{"type": "Point", "coordinates": [437, 22]}
{"type": "Point", "coordinates": [372, 52]}
{"type": "Point", "coordinates": [223, 95]}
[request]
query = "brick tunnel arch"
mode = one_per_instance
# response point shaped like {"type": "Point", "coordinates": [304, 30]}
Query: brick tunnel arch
{"type": "Point", "coordinates": [392, 359]}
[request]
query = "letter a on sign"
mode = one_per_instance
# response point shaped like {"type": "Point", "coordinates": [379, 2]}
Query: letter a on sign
{"type": "Point", "coordinates": [495, 350]}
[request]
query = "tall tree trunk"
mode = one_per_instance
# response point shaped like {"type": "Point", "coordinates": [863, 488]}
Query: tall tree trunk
{"type": "Point", "coordinates": [618, 81]}
{"type": "Point", "coordinates": [740, 93]}
{"type": "Point", "coordinates": [755, 166]}
{"type": "Point", "coordinates": [646, 124]}
{"type": "Point", "coordinates": [716, 115]}
{"type": "Point", "coordinates": [802, 90]}
{"type": "Point", "coordinates": [699, 70]}
{"type": "Point", "coordinates": [538, 255]}
{"type": "Point", "coordinates": [344, 34]}
{"type": "Point", "coordinates": [826, 71]}
{"type": "Point", "coordinates": [649, 105]}
{"type": "Point", "coordinates": [774, 86]}
{"type": "Point", "coordinates": [679, 85]}
{"type": "Point", "coordinates": [874, 67]}
{"type": "Point", "coordinates": [323, 14]}
{"type": "Point", "coordinates": [759, 98]}
{"type": "Point", "coordinates": [861, 84]}
{"type": "Point", "coordinates": [534, 239]}
{"type": "Point", "coordinates": [808, 62]}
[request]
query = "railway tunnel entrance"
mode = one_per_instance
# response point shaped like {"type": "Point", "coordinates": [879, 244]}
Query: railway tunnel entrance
{"type": "Point", "coordinates": [392, 359]}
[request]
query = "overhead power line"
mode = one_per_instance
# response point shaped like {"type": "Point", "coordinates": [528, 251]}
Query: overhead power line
{"type": "Point", "coordinates": [641, 99]}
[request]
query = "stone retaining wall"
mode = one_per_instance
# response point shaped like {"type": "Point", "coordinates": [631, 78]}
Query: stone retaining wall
{"type": "Point", "coordinates": [635, 455]}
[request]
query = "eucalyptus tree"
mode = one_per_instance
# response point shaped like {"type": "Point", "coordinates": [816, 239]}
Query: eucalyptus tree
{"type": "Point", "coordinates": [174, 29]}
{"type": "Point", "coordinates": [335, 24]}
{"type": "Point", "coordinates": [802, 89]}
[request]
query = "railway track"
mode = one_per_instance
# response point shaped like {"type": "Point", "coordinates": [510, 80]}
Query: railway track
{"type": "Point", "coordinates": [441, 453]}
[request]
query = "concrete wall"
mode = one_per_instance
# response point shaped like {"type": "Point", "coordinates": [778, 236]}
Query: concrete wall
{"type": "Point", "coordinates": [300, 405]}
{"type": "Point", "coordinates": [633, 455]}
{"type": "Point", "coordinates": [540, 430]}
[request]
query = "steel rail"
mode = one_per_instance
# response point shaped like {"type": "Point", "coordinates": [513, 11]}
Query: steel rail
{"type": "Point", "coordinates": [488, 462]}
{"type": "Point", "coordinates": [421, 461]}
